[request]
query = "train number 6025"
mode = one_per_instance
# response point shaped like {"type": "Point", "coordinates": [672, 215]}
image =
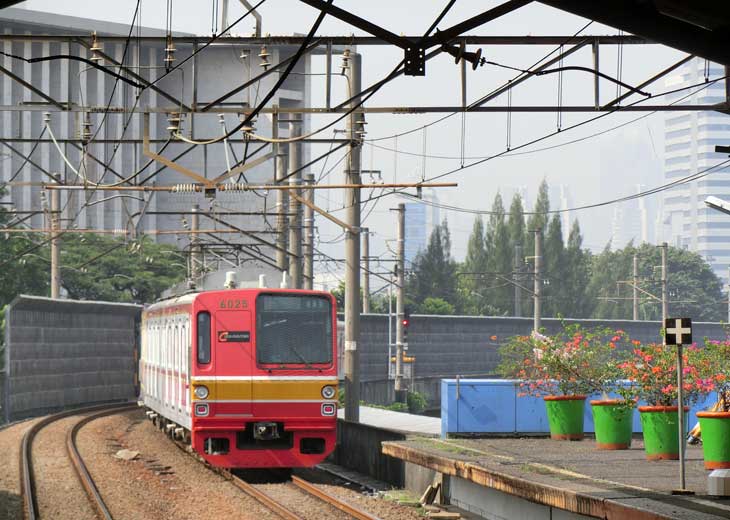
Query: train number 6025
{"type": "Point", "coordinates": [233, 304]}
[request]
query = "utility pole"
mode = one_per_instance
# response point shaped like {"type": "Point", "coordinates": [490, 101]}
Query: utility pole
{"type": "Point", "coordinates": [352, 253]}
{"type": "Point", "coordinates": [517, 267]}
{"type": "Point", "coordinates": [365, 233]}
{"type": "Point", "coordinates": [400, 303]}
{"type": "Point", "coordinates": [196, 262]}
{"type": "Point", "coordinates": [282, 196]}
{"type": "Point", "coordinates": [538, 281]}
{"type": "Point", "coordinates": [308, 242]}
{"type": "Point", "coordinates": [636, 288]}
{"type": "Point", "coordinates": [295, 209]}
{"type": "Point", "coordinates": [55, 253]}
{"type": "Point", "coordinates": [665, 292]}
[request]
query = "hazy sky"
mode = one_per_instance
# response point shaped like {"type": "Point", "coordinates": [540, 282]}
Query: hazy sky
{"type": "Point", "coordinates": [577, 165]}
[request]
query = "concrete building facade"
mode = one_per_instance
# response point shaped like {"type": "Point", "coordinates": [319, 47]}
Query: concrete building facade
{"type": "Point", "coordinates": [690, 140]}
{"type": "Point", "coordinates": [215, 71]}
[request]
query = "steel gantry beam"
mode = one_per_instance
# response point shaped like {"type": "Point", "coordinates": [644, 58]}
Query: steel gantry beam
{"type": "Point", "coordinates": [414, 48]}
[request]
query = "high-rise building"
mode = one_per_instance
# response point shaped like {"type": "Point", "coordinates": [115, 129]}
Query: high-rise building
{"type": "Point", "coordinates": [420, 220]}
{"type": "Point", "coordinates": [690, 140]}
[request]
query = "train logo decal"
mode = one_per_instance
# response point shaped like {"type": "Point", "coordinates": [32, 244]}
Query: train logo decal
{"type": "Point", "coordinates": [228, 336]}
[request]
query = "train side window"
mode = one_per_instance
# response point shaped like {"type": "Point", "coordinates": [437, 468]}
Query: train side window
{"type": "Point", "coordinates": [203, 337]}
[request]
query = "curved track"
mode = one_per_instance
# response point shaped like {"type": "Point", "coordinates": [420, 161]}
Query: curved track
{"type": "Point", "coordinates": [27, 481]}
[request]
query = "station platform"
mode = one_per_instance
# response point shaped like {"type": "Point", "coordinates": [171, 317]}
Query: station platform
{"type": "Point", "coordinates": [406, 423]}
{"type": "Point", "coordinates": [541, 478]}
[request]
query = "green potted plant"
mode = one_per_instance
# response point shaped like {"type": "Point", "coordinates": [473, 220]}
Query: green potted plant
{"type": "Point", "coordinates": [613, 417]}
{"type": "Point", "coordinates": [652, 370]}
{"type": "Point", "coordinates": [715, 423]}
{"type": "Point", "coordinates": [562, 369]}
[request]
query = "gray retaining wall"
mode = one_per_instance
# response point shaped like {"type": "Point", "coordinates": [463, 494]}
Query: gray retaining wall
{"type": "Point", "coordinates": [466, 345]}
{"type": "Point", "coordinates": [65, 353]}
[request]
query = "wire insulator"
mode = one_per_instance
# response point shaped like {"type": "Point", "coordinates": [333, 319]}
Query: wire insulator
{"type": "Point", "coordinates": [234, 186]}
{"type": "Point", "coordinates": [185, 188]}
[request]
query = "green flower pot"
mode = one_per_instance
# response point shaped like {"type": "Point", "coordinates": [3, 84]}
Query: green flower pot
{"type": "Point", "coordinates": [715, 428]}
{"type": "Point", "coordinates": [661, 431]}
{"type": "Point", "coordinates": [612, 419]}
{"type": "Point", "coordinates": [565, 416]}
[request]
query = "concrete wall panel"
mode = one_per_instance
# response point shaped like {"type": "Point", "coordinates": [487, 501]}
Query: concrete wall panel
{"type": "Point", "coordinates": [63, 353]}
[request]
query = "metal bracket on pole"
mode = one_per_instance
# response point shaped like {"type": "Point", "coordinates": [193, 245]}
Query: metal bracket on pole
{"type": "Point", "coordinates": [314, 207]}
{"type": "Point", "coordinates": [167, 162]}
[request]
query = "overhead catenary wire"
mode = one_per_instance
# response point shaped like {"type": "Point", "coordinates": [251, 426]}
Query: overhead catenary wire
{"type": "Point", "coordinates": [477, 102]}
{"type": "Point", "coordinates": [535, 150]}
{"type": "Point", "coordinates": [549, 135]}
{"type": "Point", "coordinates": [684, 180]}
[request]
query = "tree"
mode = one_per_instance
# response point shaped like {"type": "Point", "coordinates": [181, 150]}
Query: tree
{"type": "Point", "coordinates": [434, 272]}
{"type": "Point", "coordinates": [691, 282]}
{"type": "Point", "coordinates": [93, 267]}
{"type": "Point", "coordinates": [475, 262]}
{"type": "Point", "coordinates": [537, 221]}
{"type": "Point", "coordinates": [517, 239]}
{"type": "Point", "coordinates": [500, 259]}
{"type": "Point", "coordinates": [554, 268]}
{"type": "Point", "coordinates": [576, 302]}
{"type": "Point", "coordinates": [30, 273]}
{"type": "Point", "coordinates": [436, 306]}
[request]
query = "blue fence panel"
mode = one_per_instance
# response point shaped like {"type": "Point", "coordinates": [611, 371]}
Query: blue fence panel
{"type": "Point", "coordinates": [492, 406]}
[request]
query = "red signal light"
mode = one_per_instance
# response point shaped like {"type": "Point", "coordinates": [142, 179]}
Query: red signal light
{"type": "Point", "coordinates": [405, 322]}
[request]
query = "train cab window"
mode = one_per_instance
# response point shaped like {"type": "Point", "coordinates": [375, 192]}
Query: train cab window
{"type": "Point", "coordinates": [203, 337]}
{"type": "Point", "coordinates": [293, 329]}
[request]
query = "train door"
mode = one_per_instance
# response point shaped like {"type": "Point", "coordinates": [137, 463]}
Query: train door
{"type": "Point", "coordinates": [234, 359]}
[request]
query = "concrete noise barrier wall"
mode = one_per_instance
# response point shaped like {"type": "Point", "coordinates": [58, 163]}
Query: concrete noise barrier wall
{"type": "Point", "coordinates": [65, 353]}
{"type": "Point", "coordinates": [445, 346]}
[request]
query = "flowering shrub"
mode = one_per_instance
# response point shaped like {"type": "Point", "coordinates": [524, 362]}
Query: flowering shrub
{"type": "Point", "coordinates": [718, 360]}
{"type": "Point", "coordinates": [573, 362]}
{"type": "Point", "coordinates": [652, 370]}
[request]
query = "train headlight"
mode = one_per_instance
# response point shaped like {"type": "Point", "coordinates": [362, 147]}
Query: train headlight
{"type": "Point", "coordinates": [201, 392]}
{"type": "Point", "coordinates": [328, 391]}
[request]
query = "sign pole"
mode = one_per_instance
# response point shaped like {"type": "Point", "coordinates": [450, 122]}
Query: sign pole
{"type": "Point", "coordinates": [678, 332]}
{"type": "Point", "coordinates": [680, 415]}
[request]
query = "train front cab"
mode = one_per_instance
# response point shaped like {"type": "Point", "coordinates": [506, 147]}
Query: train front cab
{"type": "Point", "coordinates": [264, 383]}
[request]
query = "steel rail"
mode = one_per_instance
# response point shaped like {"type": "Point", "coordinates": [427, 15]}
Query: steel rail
{"type": "Point", "coordinates": [331, 499]}
{"type": "Point", "coordinates": [27, 479]}
{"type": "Point", "coordinates": [87, 481]}
{"type": "Point", "coordinates": [264, 498]}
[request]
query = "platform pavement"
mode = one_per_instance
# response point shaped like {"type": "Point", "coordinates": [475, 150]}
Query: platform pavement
{"type": "Point", "coordinates": [398, 421]}
{"type": "Point", "coordinates": [573, 476]}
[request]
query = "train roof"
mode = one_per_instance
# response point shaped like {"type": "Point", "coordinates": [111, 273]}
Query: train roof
{"type": "Point", "coordinates": [189, 298]}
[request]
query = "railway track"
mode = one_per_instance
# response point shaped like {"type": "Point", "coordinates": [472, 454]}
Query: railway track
{"type": "Point", "coordinates": [273, 504]}
{"type": "Point", "coordinates": [27, 478]}
{"type": "Point", "coordinates": [308, 488]}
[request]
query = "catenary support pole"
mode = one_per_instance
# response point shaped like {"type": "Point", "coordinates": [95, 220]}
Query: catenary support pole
{"type": "Point", "coordinates": [352, 255]}
{"type": "Point", "coordinates": [196, 260]}
{"type": "Point", "coordinates": [517, 267]}
{"type": "Point", "coordinates": [400, 390]}
{"type": "Point", "coordinates": [538, 281]}
{"type": "Point", "coordinates": [55, 244]}
{"type": "Point", "coordinates": [665, 292]}
{"type": "Point", "coordinates": [282, 197]}
{"type": "Point", "coordinates": [295, 209]}
{"type": "Point", "coordinates": [635, 286]}
{"type": "Point", "coordinates": [308, 242]}
{"type": "Point", "coordinates": [365, 233]}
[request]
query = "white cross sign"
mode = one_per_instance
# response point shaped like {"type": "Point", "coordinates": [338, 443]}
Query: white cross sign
{"type": "Point", "coordinates": [678, 331]}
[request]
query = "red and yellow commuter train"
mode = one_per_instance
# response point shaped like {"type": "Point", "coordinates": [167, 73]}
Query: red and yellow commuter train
{"type": "Point", "coordinates": [247, 376]}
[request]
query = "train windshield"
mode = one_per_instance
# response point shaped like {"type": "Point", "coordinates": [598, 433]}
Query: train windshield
{"type": "Point", "coordinates": [293, 329]}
